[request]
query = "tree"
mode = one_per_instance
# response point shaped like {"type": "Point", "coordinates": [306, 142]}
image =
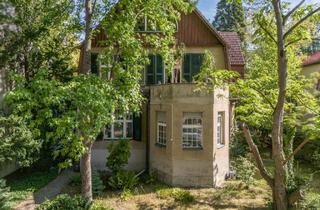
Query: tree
{"type": "Point", "coordinates": [274, 94]}
{"type": "Point", "coordinates": [230, 17]}
{"type": "Point", "coordinates": [17, 141]}
{"type": "Point", "coordinates": [77, 110]}
{"type": "Point", "coordinates": [37, 34]}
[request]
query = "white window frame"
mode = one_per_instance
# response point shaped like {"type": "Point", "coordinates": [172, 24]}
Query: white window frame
{"type": "Point", "coordinates": [125, 121]}
{"type": "Point", "coordinates": [194, 143]}
{"type": "Point", "coordinates": [221, 128]}
{"type": "Point", "coordinates": [162, 139]}
{"type": "Point", "coordinates": [153, 31]}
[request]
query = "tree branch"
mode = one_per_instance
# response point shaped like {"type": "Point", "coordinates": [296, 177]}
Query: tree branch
{"type": "Point", "coordinates": [301, 21]}
{"type": "Point", "coordinates": [267, 31]}
{"type": "Point", "coordinates": [296, 151]}
{"type": "Point", "coordinates": [256, 154]}
{"type": "Point", "coordinates": [285, 18]}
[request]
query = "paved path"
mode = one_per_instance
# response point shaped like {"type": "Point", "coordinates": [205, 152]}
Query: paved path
{"type": "Point", "coordinates": [47, 192]}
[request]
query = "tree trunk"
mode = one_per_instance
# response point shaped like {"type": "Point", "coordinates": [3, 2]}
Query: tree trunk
{"type": "Point", "coordinates": [85, 169]}
{"type": "Point", "coordinates": [279, 189]}
{"type": "Point", "coordinates": [85, 68]}
{"type": "Point", "coordinates": [85, 64]}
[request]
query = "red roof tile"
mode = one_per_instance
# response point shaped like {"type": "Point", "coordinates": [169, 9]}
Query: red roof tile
{"type": "Point", "coordinates": [234, 47]}
{"type": "Point", "coordinates": [312, 59]}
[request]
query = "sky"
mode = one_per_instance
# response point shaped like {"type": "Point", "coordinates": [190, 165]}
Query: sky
{"type": "Point", "coordinates": [208, 7]}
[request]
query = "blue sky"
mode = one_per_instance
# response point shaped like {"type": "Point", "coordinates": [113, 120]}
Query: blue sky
{"type": "Point", "coordinates": [208, 7]}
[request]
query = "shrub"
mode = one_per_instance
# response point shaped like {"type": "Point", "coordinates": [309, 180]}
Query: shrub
{"type": "Point", "coordinates": [316, 158]}
{"type": "Point", "coordinates": [245, 170]}
{"type": "Point", "coordinates": [126, 194]}
{"type": "Point", "coordinates": [4, 195]}
{"type": "Point", "coordinates": [75, 180]}
{"type": "Point", "coordinates": [66, 202]}
{"type": "Point", "coordinates": [149, 178]}
{"type": "Point", "coordinates": [99, 206]}
{"type": "Point", "coordinates": [123, 180]}
{"type": "Point", "coordinates": [178, 194]}
{"type": "Point", "coordinates": [312, 201]}
{"type": "Point", "coordinates": [119, 155]}
{"type": "Point", "coordinates": [238, 145]}
{"type": "Point", "coordinates": [97, 184]}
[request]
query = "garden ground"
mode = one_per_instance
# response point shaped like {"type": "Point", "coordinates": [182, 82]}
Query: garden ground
{"type": "Point", "coordinates": [234, 195]}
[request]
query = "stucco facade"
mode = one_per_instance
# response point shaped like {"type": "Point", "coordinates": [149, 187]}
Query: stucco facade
{"type": "Point", "coordinates": [180, 166]}
{"type": "Point", "coordinates": [310, 69]}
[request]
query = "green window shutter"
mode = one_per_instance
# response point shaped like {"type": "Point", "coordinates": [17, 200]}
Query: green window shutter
{"type": "Point", "coordinates": [137, 127]}
{"type": "Point", "coordinates": [94, 64]}
{"type": "Point", "coordinates": [150, 71]}
{"type": "Point", "coordinates": [196, 63]}
{"type": "Point", "coordinates": [186, 67]}
{"type": "Point", "coordinates": [191, 65]}
{"type": "Point", "coordinates": [155, 70]}
{"type": "Point", "coordinates": [159, 69]}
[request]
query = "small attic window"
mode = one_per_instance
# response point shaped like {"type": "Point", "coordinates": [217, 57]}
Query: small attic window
{"type": "Point", "coordinates": [147, 25]}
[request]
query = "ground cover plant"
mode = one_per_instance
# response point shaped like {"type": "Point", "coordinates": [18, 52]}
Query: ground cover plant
{"type": "Point", "coordinates": [24, 184]}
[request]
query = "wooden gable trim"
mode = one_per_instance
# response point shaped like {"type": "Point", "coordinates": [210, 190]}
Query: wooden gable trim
{"type": "Point", "coordinates": [210, 27]}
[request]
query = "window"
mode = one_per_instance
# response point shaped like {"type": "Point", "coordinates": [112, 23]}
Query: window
{"type": "Point", "coordinates": [161, 129]}
{"type": "Point", "coordinates": [220, 129]}
{"type": "Point", "coordinates": [95, 64]}
{"type": "Point", "coordinates": [149, 25]}
{"type": "Point", "coordinates": [155, 70]}
{"type": "Point", "coordinates": [192, 130]}
{"type": "Point", "coordinates": [191, 65]}
{"type": "Point", "coordinates": [122, 128]}
{"type": "Point", "coordinates": [145, 24]}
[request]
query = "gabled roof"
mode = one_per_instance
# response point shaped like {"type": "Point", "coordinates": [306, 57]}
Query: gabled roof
{"type": "Point", "coordinates": [312, 59]}
{"type": "Point", "coordinates": [234, 47]}
{"type": "Point", "coordinates": [210, 26]}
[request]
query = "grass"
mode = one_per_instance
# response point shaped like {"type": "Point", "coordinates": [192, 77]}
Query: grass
{"type": "Point", "coordinates": [234, 195]}
{"type": "Point", "coordinates": [24, 184]}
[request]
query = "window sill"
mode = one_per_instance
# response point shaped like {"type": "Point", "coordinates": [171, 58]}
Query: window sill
{"type": "Point", "coordinates": [160, 145]}
{"type": "Point", "coordinates": [109, 140]}
{"type": "Point", "coordinates": [220, 146]}
{"type": "Point", "coordinates": [192, 149]}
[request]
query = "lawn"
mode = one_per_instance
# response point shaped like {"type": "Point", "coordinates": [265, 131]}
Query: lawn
{"type": "Point", "coordinates": [23, 184]}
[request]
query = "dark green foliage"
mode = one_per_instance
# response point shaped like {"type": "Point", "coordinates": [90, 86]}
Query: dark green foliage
{"type": "Point", "coordinates": [66, 202]}
{"type": "Point", "coordinates": [149, 178]}
{"type": "Point", "coordinates": [97, 184]}
{"type": "Point", "coordinates": [245, 170]}
{"type": "Point", "coordinates": [119, 155]}
{"type": "Point", "coordinates": [44, 38]}
{"type": "Point", "coordinates": [17, 142]}
{"type": "Point", "coordinates": [4, 195]}
{"type": "Point", "coordinates": [123, 180]}
{"type": "Point", "coordinates": [238, 145]}
{"type": "Point", "coordinates": [75, 180]}
{"type": "Point", "coordinates": [230, 17]}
